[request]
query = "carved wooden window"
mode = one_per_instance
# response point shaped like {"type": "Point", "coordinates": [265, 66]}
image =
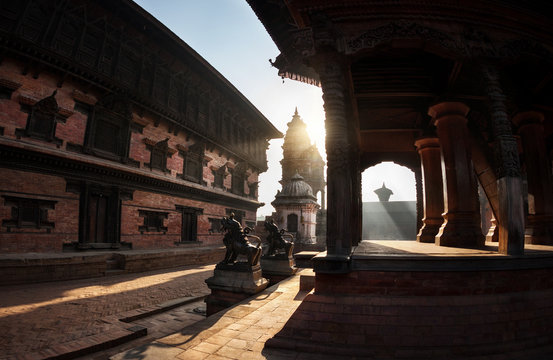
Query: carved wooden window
{"type": "Point", "coordinates": [7, 87]}
{"type": "Point", "coordinates": [292, 221]}
{"type": "Point", "coordinates": [193, 163]}
{"type": "Point", "coordinates": [238, 178]}
{"type": "Point", "coordinates": [153, 221]}
{"type": "Point", "coordinates": [28, 213]}
{"type": "Point", "coordinates": [219, 179]}
{"type": "Point", "coordinates": [189, 223]}
{"type": "Point", "coordinates": [42, 119]}
{"type": "Point", "coordinates": [108, 129]}
{"type": "Point", "coordinates": [158, 155]}
{"type": "Point", "coordinates": [214, 225]}
{"type": "Point", "coordinates": [253, 189]}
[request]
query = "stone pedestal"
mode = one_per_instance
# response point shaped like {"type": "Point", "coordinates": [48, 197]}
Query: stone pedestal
{"type": "Point", "coordinates": [429, 152]}
{"type": "Point", "coordinates": [461, 227]}
{"type": "Point", "coordinates": [277, 268]}
{"type": "Point", "coordinates": [233, 283]}
{"type": "Point", "coordinates": [539, 224]}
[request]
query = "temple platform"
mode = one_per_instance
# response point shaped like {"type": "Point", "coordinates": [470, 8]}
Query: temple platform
{"type": "Point", "coordinates": [469, 310]}
{"type": "Point", "coordinates": [38, 267]}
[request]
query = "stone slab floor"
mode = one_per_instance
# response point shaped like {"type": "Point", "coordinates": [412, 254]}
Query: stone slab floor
{"type": "Point", "coordinates": [51, 319]}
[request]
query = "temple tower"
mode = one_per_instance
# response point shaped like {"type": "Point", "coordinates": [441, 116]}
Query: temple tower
{"type": "Point", "coordinates": [296, 210]}
{"type": "Point", "coordinates": [299, 155]}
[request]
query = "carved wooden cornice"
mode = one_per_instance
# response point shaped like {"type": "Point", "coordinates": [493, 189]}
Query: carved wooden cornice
{"type": "Point", "coordinates": [153, 67]}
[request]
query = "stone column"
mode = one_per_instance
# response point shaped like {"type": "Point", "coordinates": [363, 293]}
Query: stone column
{"type": "Point", "coordinates": [510, 216]}
{"type": "Point", "coordinates": [460, 204]}
{"type": "Point", "coordinates": [342, 166]}
{"type": "Point", "coordinates": [539, 225]}
{"type": "Point", "coordinates": [429, 152]}
{"type": "Point", "coordinates": [420, 197]}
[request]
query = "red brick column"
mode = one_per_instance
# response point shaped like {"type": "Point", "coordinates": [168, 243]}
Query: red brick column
{"type": "Point", "coordinates": [460, 228]}
{"type": "Point", "coordinates": [429, 152]}
{"type": "Point", "coordinates": [539, 223]}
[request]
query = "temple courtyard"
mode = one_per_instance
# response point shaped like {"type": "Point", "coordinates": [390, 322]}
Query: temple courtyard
{"type": "Point", "coordinates": [158, 314]}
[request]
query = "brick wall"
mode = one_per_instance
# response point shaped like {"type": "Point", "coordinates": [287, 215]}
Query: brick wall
{"type": "Point", "coordinates": [38, 186]}
{"type": "Point", "coordinates": [426, 315]}
{"type": "Point", "coordinates": [72, 131]}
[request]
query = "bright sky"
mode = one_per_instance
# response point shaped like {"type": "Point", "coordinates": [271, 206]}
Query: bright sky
{"type": "Point", "coordinates": [230, 37]}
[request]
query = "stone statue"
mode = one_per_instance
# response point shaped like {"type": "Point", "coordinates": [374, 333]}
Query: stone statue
{"type": "Point", "coordinates": [276, 240]}
{"type": "Point", "coordinates": [236, 242]}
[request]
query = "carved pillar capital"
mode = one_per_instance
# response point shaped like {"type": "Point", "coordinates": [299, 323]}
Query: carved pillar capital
{"type": "Point", "coordinates": [448, 111]}
{"type": "Point", "coordinates": [427, 142]}
{"type": "Point", "coordinates": [528, 118]}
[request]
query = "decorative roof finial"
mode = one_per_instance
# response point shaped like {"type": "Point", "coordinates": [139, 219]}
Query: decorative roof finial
{"type": "Point", "coordinates": [383, 193]}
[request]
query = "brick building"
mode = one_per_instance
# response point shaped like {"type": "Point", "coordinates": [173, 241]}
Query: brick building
{"type": "Point", "coordinates": [115, 134]}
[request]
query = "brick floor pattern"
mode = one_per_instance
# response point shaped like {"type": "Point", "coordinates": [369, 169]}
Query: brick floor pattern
{"type": "Point", "coordinates": [238, 333]}
{"type": "Point", "coordinates": [35, 317]}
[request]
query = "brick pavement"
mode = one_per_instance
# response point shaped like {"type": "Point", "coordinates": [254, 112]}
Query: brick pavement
{"type": "Point", "coordinates": [238, 333]}
{"type": "Point", "coordinates": [41, 320]}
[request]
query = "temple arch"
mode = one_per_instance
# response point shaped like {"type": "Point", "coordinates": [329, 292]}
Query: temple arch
{"type": "Point", "coordinates": [395, 219]}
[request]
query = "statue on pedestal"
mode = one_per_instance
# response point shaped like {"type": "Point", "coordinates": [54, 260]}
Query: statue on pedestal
{"type": "Point", "coordinates": [234, 281]}
{"type": "Point", "coordinates": [236, 242]}
{"type": "Point", "coordinates": [276, 240]}
{"type": "Point", "coordinates": [278, 263]}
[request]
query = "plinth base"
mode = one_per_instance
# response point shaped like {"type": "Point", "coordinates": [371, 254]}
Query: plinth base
{"type": "Point", "coordinates": [460, 230]}
{"type": "Point", "coordinates": [277, 268]}
{"type": "Point", "coordinates": [231, 284]}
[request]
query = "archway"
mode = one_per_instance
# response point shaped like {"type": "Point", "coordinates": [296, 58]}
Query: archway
{"type": "Point", "coordinates": [395, 219]}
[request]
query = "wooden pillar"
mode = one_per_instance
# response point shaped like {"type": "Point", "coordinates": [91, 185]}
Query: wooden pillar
{"type": "Point", "coordinates": [343, 168]}
{"type": "Point", "coordinates": [460, 228]}
{"type": "Point", "coordinates": [420, 196]}
{"type": "Point", "coordinates": [433, 199]}
{"type": "Point", "coordinates": [509, 183]}
{"type": "Point", "coordinates": [539, 224]}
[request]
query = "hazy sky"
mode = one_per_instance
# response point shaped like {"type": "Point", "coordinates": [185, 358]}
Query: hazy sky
{"type": "Point", "coordinates": [230, 37]}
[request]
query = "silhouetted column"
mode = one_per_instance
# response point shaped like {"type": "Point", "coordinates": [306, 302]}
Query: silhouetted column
{"type": "Point", "coordinates": [433, 199]}
{"type": "Point", "coordinates": [459, 228]}
{"type": "Point", "coordinates": [539, 224]}
{"type": "Point", "coordinates": [343, 167]}
{"type": "Point", "coordinates": [510, 216]}
{"type": "Point", "coordinates": [420, 195]}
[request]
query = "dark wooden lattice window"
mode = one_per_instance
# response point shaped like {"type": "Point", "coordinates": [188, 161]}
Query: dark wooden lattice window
{"type": "Point", "coordinates": [28, 213]}
{"type": "Point", "coordinates": [108, 129]}
{"type": "Point", "coordinates": [189, 222]}
{"type": "Point", "coordinates": [42, 119]}
{"type": "Point", "coordinates": [253, 189]}
{"type": "Point", "coordinates": [158, 155]}
{"type": "Point", "coordinates": [193, 163]}
{"type": "Point", "coordinates": [219, 177]}
{"type": "Point", "coordinates": [153, 221]}
{"type": "Point", "coordinates": [238, 178]}
{"type": "Point", "coordinates": [214, 225]}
